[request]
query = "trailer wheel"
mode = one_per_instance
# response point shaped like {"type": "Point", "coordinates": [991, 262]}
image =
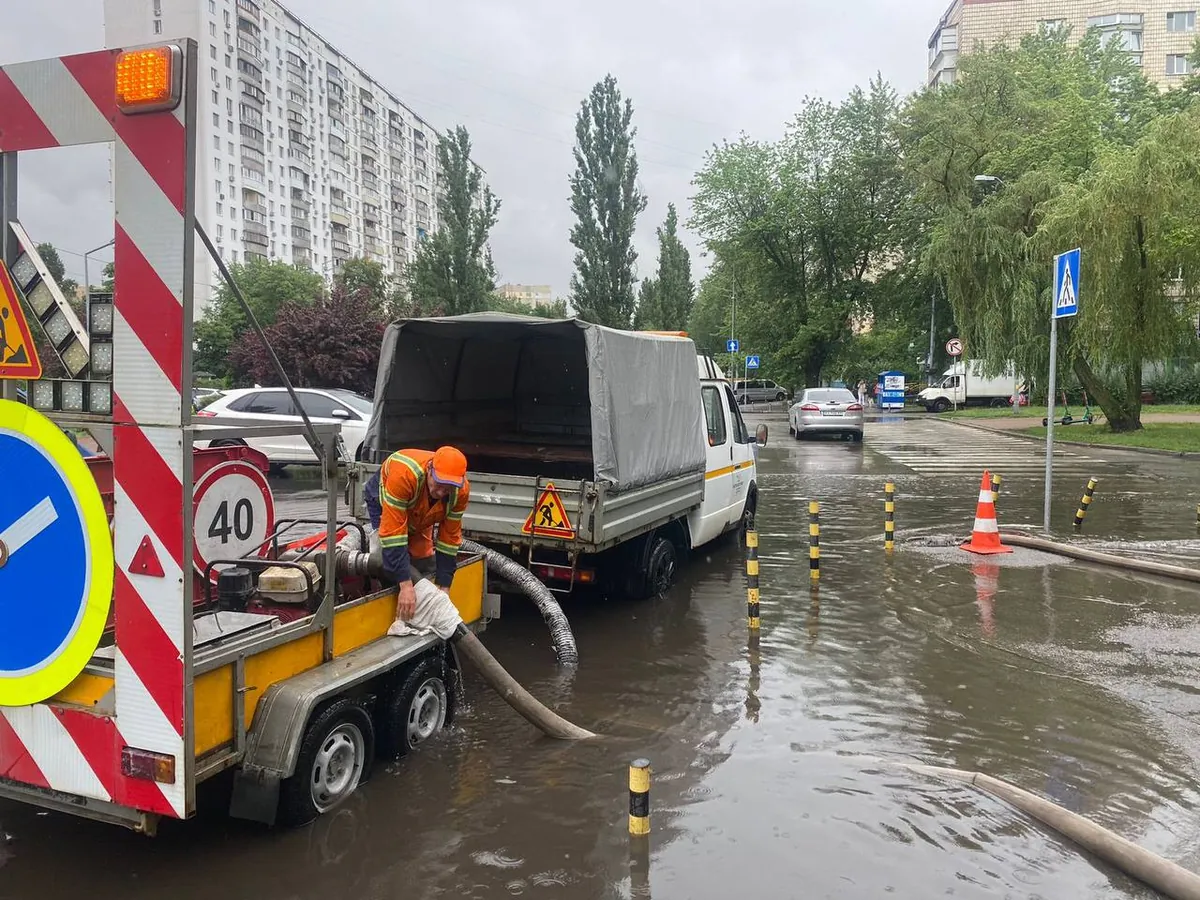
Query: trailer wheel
{"type": "Point", "coordinates": [420, 707]}
{"type": "Point", "coordinates": [335, 758]}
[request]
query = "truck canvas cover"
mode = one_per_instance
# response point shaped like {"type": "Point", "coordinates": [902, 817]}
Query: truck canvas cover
{"type": "Point", "coordinates": [626, 403]}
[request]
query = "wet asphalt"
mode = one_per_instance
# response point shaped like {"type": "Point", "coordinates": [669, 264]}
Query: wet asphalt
{"type": "Point", "coordinates": [780, 759]}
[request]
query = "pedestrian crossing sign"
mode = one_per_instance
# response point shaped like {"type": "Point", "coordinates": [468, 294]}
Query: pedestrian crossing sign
{"type": "Point", "coordinates": [18, 353]}
{"type": "Point", "coordinates": [1066, 284]}
{"type": "Point", "coordinates": [549, 517]}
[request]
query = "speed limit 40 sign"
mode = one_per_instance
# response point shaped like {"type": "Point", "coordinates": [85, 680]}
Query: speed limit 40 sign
{"type": "Point", "coordinates": [954, 347]}
{"type": "Point", "coordinates": [234, 514]}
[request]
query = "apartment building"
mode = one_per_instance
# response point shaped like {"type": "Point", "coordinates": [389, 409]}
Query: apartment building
{"type": "Point", "coordinates": [1158, 34]}
{"type": "Point", "coordinates": [301, 155]}
{"type": "Point", "coordinates": [533, 294]}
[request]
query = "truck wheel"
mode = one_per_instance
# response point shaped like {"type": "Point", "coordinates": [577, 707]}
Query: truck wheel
{"type": "Point", "coordinates": [940, 405]}
{"type": "Point", "coordinates": [651, 567]}
{"type": "Point", "coordinates": [335, 758]}
{"type": "Point", "coordinates": [1000, 403]}
{"type": "Point", "coordinates": [420, 707]}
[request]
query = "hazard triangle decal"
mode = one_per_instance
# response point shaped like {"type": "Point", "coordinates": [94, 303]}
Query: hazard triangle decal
{"type": "Point", "coordinates": [18, 354]}
{"type": "Point", "coordinates": [549, 517]}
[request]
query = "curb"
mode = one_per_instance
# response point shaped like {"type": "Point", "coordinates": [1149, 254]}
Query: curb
{"type": "Point", "coordinates": [1149, 451]}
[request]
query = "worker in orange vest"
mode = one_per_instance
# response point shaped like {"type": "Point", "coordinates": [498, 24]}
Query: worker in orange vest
{"type": "Point", "coordinates": [414, 491]}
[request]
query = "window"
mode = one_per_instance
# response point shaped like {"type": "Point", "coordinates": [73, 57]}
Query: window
{"type": "Point", "coordinates": [1181, 22]}
{"type": "Point", "coordinates": [212, 51]}
{"type": "Point", "coordinates": [213, 73]}
{"type": "Point", "coordinates": [318, 406]}
{"type": "Point", "coordinates": [216, 98]}
{"type": "Point", "coordinates": [158, 26]}
{"type": "Point", "coordinates": [212, 29]}
{"type": "Point", "coordinates": [1052, 26]}
{"type": "Point", "coordinates": [220, 227]}
{"type": "Point", "coordinates": [220, 211]}
{"type": "Point", "coordinates": [741, 435]}
{"type": "Point", "coordinates": [270, 403]}
{"type": "Point", "coordinates": [715, 416]}
{"type": "Point", "coordinates": [217, 137]}
{"type": "Point", "coordinates": [229, 105]}
{"type": "Point", "coordinates": [216, 120]}
{"type": "Point", "coordinates": [1178, 64]}
{"type": "Point", "coordinates": [228, 61]}
{"type": "Point", "coordinates": [212, 7]}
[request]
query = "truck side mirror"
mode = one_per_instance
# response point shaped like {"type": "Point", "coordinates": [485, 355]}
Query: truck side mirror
{"type": "Point", "coordinates": [760, 435]}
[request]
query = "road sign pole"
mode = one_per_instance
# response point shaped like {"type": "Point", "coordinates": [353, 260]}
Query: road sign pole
{"type": "Point", "coordinates": [8, 241]}
{"type": "Point", "coordinates": [1051, 386]}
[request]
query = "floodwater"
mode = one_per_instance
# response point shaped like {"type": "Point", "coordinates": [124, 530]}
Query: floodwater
{"type": "Point", "coordinates": [780, 759]}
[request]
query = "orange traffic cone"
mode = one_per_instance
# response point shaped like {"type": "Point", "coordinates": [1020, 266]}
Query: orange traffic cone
{"type": "Point", "coordinates": [985, 538]}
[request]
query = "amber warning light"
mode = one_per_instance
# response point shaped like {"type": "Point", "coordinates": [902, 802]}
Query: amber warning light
{"type": "Point", "coordinates": [149, 80]}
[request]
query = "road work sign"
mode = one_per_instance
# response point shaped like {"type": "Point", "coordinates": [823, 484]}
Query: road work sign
{"type": "Point", "coordinates": [1066, 284]}
{"type": "Point", "coordinates": [18, 354]}
{"type": "Point", "coordinates": [549, 517]}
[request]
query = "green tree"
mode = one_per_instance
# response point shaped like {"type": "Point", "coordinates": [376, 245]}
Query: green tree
{"type": "Point", "coordinates": [267, 287]}
{"type": "Point", "coordinates": [649, 312]}
{"type": "Point", "coordinates": [1044, 118]}
{"type": "Point", "coordinates": [556, 310]}
{"type": "Point", "coordinates": [453, 271]}
{"type": "Point", "coordinates": [58, 271]}
{"type": "Point", "coordinates": [665, 302]}
{"type": "Point", "coordinates": [366, 278]}
{"type": "Point", "coordinates": [812, 221]}
{"type": "Point", "coordinates": [606, 201]}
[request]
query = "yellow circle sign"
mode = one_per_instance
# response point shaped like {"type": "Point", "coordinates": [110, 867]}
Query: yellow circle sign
{"type": "Point", "coordinates": [56, 578]}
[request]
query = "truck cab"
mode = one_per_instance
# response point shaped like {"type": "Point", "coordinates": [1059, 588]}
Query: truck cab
{"type": "Point", "coordinates": [730, 490]}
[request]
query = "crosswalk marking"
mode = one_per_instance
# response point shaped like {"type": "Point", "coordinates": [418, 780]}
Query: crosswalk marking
{"type": "Point", "coordinates": [962, 452]}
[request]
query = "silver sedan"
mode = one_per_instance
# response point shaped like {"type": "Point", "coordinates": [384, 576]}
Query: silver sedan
{"type": "Point", "coordinates": [826, 411]}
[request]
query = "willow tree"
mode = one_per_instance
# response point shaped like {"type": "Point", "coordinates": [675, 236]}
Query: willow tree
{"type": "Point", "coordinates": [1135, 215]}
{"type": "Point", "coordinates": [1004, 160]}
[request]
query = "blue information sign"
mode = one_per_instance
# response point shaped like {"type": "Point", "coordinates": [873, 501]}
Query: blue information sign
{"type": "Point", "coordinates": [751, 362]}
{"type": "Point", "coordinates": [732, 345]}
{"type": "Point", "coordinates": [1066, 284]}
{"type": "Point", "coordinates": [56, 559]}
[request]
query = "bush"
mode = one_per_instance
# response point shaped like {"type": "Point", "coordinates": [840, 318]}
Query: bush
{"type": "Point", "coordinates": [1179, 386]}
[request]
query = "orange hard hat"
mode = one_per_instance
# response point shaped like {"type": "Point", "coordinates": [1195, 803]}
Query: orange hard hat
{"type": "Point", "coordinates": [449, 466]}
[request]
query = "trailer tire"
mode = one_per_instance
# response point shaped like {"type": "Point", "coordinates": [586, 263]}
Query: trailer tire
{"type": "Point", "coordinates": [420, 707]}
{"type": "Point", "coordinates": [335, 758]}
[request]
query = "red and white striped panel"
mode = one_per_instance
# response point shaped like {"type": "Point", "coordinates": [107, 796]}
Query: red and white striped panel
{"type": "Point", "coordinates": [71, 101]}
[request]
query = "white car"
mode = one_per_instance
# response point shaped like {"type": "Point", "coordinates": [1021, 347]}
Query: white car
{"type": "Point", "coordinates": [346, 408]}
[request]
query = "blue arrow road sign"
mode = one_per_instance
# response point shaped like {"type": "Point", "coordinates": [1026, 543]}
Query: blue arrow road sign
{"type": "Point", "coordinates": [1066, 284]}
{"type": "Point", "coordinates": [751, 362]}
{"type": "Point", "coordinates": [732, 345]}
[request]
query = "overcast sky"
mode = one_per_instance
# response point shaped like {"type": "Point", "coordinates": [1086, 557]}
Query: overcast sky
{"type": "Point", "coordinates": [514, 74]}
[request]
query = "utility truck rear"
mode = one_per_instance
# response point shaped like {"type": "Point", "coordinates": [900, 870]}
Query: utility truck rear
{"type": "Point", "coordinates": [597, 456]}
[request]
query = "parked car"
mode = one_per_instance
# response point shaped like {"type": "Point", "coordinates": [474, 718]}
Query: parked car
{"type": "Point", "coordinates": [352, 411]}
{"type": "Point", "coordinates": [758, 390]}
{"type": "Point", "coordinates": [826, 411]}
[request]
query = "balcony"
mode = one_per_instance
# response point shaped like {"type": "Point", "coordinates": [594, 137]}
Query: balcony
{"type": "Point", "coordinates": [301, 258]}
{"type": "Point", "coordinates": [255, 234]}
{"type": "Point", "coordinates": [368, 144]}
{"type": "Point", "coordinates": [300, 208]}
{"type": "Point", "coordinates": [248, 49]}
{"type": "Point", "coordinates": [252, 93]}
{"type": "Point", "coordinates": [254, 201]}
{"type": "Point", "coordinates": [301, 159]}
{"type": "Point", "coordinates": [249, 71]}
{"type": "Point", "coordinates": [249, 9]}
{"type": "Point", "coordinates": [301, 237]}
{"type": "Point", "coordinates": [340, 218]}
{"type": "Point", "coordinates": [340, 245]}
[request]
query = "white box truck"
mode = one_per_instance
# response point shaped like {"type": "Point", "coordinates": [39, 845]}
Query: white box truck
{"type": "Point", "coordinates": [964, 384]}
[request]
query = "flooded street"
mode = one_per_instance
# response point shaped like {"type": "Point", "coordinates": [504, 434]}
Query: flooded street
{"type": "Point", "coordinates": [779, 760]}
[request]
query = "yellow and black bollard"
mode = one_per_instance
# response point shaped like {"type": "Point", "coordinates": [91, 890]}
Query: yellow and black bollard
{"type": "Point", "coordinates": [814, 540]}
{"type": "Point", "coordinates": [889, 522]}
{"type": "Point", "coordinates": [639, 797]}
{"type": "Point", "coordinates": [996, 479]}
{"type": "Point", "coordinates": [753, 621]}
{"type": "Point", "coordinates": [1081, 513]}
